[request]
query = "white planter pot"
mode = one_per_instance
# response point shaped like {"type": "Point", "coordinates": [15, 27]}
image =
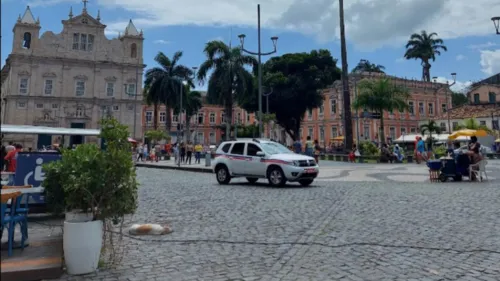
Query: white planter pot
{"type": "Point", "coordinates": [77, 216]}
{"type": "Point", "coordinates": [82, 243]}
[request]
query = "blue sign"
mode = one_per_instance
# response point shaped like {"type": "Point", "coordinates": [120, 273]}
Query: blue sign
{"type": "Point", "coordinates": [29, 170]}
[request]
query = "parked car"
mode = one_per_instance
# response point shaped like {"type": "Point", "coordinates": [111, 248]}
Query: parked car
{"type": "Point", "coordinates": [257, 159]}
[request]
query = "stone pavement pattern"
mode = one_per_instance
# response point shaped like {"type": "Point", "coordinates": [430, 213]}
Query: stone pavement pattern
{"type": "Point", "coordinates": [334, 230]}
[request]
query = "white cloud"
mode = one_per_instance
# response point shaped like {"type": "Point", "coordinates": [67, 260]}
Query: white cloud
{"type": "Point", "coordinates": [369, 23]}
{"type": "Point", "coordinates": [490, 61]}
{"type": "Point", "coordinates": [45, 3]}
{"type": "Point", "coordinates": [486, 45]}
{"type": "Point", "coordinates": [460, 57]}
{"type": "Point", "coordinates": [161, 41]}
{"type": "Point", "coordinates": [460, 86]}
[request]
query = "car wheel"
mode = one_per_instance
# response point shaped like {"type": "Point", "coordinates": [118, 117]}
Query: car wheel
{"type": "Point", "coordinates": [306, 182]}
{"type": "Point", "coordinates": [222, 175]}
{"type": "Point", "coordinates": [442, 178]}
{"type": "Point", "coordinates": [276, 177]}
{"type": "Point", "coordinates": [252, 180]}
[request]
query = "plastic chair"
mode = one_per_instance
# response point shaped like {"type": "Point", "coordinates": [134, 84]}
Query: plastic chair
{"type": "Point", "coordinates": [478, 170]}
{"type": "Point", "coordinates": [10, 220]}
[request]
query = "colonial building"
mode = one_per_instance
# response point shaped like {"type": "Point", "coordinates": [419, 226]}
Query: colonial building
{"type": "Point", "coordinates": [73, 78]}
{"type": "Point", "coordinates": [427, 101]}
{"type": "Point", "coordinates": [484, 106]}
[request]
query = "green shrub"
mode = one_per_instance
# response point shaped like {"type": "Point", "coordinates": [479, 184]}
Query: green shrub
{"type": "Point", "coordinates": [368, 148]}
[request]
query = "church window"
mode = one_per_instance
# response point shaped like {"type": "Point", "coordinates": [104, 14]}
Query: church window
{"type": "Point", "coordinates": [80, 88]}
{"type": "Point", "coordinates": [76, 40]}
{"type": "Point", "coordinates": [85, 21]}
{"type": "Point", "coordinates": [27, 40]}
{"type": "Point", "coordinates": [90, 42]}
{"type": "Point", "coordinates": [23, 86]}
{"type": "Point", "coordinates": [83, 42]}
{"type": "Point", "coordinates": [133, 50]}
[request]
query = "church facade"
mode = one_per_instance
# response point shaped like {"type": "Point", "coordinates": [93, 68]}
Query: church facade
{"type": "Point", "coordinates": [72, 79]}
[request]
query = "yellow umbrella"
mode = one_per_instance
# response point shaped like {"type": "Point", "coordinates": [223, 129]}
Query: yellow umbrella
{"type": "Point", "coordinates": [341, 138]}
{"type": "Point", "coordinates": [468, 133]}
{"type": "Point", "coordinates": [498, 140]}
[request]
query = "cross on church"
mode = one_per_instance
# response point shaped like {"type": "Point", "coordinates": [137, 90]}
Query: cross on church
{"type": "Point", "coordinates": [85, 4]}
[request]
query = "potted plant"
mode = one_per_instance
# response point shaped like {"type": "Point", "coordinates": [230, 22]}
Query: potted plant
{"type": "Point", "coordinates": [100, 184]}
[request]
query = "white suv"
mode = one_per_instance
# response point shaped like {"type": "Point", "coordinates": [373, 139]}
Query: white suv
{"type": "Point", "coordinates": [255, 159]}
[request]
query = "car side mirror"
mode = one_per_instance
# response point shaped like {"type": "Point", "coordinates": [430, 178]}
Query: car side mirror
{"type": "Point", "coordinates": [260, 154]}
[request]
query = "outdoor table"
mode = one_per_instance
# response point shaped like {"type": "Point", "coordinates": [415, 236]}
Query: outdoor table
{"type": "Point", "coordinates": [10, 195]}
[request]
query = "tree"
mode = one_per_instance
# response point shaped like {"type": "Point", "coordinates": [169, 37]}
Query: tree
{"type": "Point", "coordinates": [473, 124]}
{"type": "Point", "coordinates": [164, 83]}
{"type": "Point", "coordinates": [156, 135]}
{"type": "Point", "coordinates": [367, 66]}
{"type": "Point", "coordinates": [424, 47]}
{"type": "Point", "coordinates": [229, 81]}
{"type": "Point", "coordinates": [381, 95]}
{"type": "Point", "coordinates": [458, 99]}
{"type": "Point", "coordinates": [297, 81]}
{"type": "Point", "coordinates": [431, 127]}
{"type": "Point", "coordinates": [191, 104]}
{"type": "Point", "coordinates": [346, 94]}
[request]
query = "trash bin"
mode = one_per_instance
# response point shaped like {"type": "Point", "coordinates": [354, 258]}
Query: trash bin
{"type": "Point", "coordinates": [208, 159]}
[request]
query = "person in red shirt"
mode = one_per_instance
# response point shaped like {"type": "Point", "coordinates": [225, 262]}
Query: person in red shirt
{"type": "Point", "coordinates": [11, 159]}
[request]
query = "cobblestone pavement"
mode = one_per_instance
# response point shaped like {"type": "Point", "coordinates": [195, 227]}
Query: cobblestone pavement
{"type": "Point", "coordinates": [334, 230]}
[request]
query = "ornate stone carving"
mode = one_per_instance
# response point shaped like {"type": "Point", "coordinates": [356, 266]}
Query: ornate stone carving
{"type": "Point", "coordinates": [49, 74]}
{"type": "Point", "coordinates": [110, 79]}
{"type": "Point", "coordinates": [81, 77]}
{"type": "Point", "coordinates": [24, 73]}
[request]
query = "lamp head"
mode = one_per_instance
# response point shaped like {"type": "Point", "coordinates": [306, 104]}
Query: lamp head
{"type": "Point", "coordinates": [496, 23]}
{"type": "Point", "coordinates": [242, 39]}
{"type": "Point", "coordinates": [275, 41]}
{"type": "Point", "coordinates": [454, 75]}
{"type": "Point", "coordinates": [434, 79]}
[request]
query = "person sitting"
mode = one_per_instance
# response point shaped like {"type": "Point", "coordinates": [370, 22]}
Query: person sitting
{"type": "Point", "coordinates": [474, 153]}
{"type": "Point", "coordinates": [385, 155]}
{"type": "Point", "coordinates": [398, 154]}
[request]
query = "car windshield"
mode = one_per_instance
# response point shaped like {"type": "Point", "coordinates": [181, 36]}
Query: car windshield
{"type": "Point", "coordinates": [274, 148]}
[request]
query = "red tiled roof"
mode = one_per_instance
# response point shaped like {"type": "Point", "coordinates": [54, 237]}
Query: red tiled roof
{"type": "Point", "coordinates": [472, 111]}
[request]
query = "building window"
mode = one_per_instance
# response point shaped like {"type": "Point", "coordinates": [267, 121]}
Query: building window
{"type": "Point", "coordinates": [366, 132]}
{"type": "Point", "coordinates": [130, 89]}
{"type": "Point", "coordinates": [310, 132]}
{"type": "Point", "coordinates": [333, 106]}
{"type": "Point", "coordinates": [310, 114]}
{"type": "Point", "coordinates": [55, 106]}
{"type": "Point", "coordinates": [442, 126]}
{"type": "Point", "coordinates": [175, 118]}
{"type": "Point", "coordinates": [392, 133]}
{"type": "Point", "coordinates": [83, 42]}
{"type": "Point", "coordinates": [80, 88]}
{"type": "Point", "coordinates": [321, 133]}
{"type": "Point", "coordinates": [223, 117]}
{"type": "Point", "coordinates": [482, 123]}
{"type": "Point", "coordinates": [212, 118]}
{"type": "Point", "coordinates": [238, 118]}
{"type": "Point", "coordinates": [248, 117]}
{"type": "Point", "coordinates": [110, 89]}
{"type": "Point", "coordinates": [300, 134]}
{"type": "Point", "coordinates": [443, 107]}
{"type": "Point", "coordinates": [431, 108]}
{"type": "Point", "coordinates": [321, 109]}
{"type": "Point", "coordinates": [413, 130]}
{"type": "Point", "coordinates": [421, 109]}
{"type": "Point", "coordinates": [212, 138]}
{"type": "Point", "coordinates": [39, 105]}
{"type": "Point", "coordinates": [494, 124]}
{"type": "Point", "coordinates": [21, 104]}
{"type": "Point", "coordinates": [476, 98]}
{"type": "Point", "coordinates": [23, 85]}
{"type": "Point", "coordinates": [149, 117]}
{"type": "Point", "coordinates": [455, 126]}
{"type": "Point", "coordinates": [130, 107]}
{"type": "Point", "coordinates": [403, 131]}
{"type": "Point", "coordinates": [200, 137]}
{"type": "Point", "coordinates": [116, 107]}
{"type": "Point", "coordinates": [492, 97]}
{"type": "Point", "coordinates": [47, 89]}
{"type": "Point", "coordinates": [201, 118]}
{"type": "Point", "coordinates": [80, 111]}
{"type": "Point", "coordinates": [335, 132]}
{"type": "Point", "coordinates": [163, 117]}
{"type": "Point", "coordinates": [27, 40]}
{"type": "Point", "coordinates": [411, 108]}
{"type": "Point", "coordinates": [133, 50]}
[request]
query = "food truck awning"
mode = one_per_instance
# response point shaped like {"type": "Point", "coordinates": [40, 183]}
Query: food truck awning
{"type": "Point", "coordinates": [35, 130]}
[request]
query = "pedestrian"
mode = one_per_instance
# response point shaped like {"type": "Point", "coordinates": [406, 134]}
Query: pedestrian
{"type": "Point", "coordinates": [140, 153]}
{"type": "Point", "coordinates": [198, 148]}
{"type": "Point", "coordinates": [189, 152]}
{"type": "Point", "coordinates": [183, 152]}
{"type": "Point", "coordinates": [145, 152]}
{"type": "Point", "coordinates": [11, 159]}
{"type": "Point", "coordinates": [309, 146]}
{"type": "Point", "coordinates": [297, 145]}
{"type": "Point", "coordinates": [317, 151]}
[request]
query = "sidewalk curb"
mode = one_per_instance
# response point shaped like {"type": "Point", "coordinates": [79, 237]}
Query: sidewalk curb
{"type": "Point", "coordinates": [164, 167]}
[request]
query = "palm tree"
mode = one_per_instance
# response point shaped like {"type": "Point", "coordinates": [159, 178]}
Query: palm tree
{"type": "Point", "coordinates": [346, 94]}
{"type": "Point", "coordinates": [165, 81]}
{"type": "Point", "coordinates": [367, 66]}
{"type": "Point", "coordinates": [191, 104]}
{"type": "Point", "coordinates": [229, 80]}
{"type": "Point", "coordinates": [430, 127]}
{"type": "Point", "coordinates": [379, 96]}
{"type": "Point", "coordinates": [424, 47]}
{"type": "Point", "coordinates": [472, 124]}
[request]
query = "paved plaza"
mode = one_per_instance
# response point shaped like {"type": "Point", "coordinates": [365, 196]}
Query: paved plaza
{"type": "Point", "coordinates": [357, 222]}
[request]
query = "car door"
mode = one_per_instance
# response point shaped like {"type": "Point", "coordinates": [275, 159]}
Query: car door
{"type": "Point", "coordinates": [254, 166]}
{"type": "Point", "coordinates": [237, 158]}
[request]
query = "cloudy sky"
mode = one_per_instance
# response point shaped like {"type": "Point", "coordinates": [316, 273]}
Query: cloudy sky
{"type": "Point", "coordinates": [376, 29]}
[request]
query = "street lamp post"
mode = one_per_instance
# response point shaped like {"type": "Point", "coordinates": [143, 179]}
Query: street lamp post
{"type": "Point", "coordinates": [496, 23]}
{"type": "Point", "coordinates": [454, 75]}
{"type": "Point", "coordinates": [181, 128]}
{"type": "Point", "coordinates": [259, 54]}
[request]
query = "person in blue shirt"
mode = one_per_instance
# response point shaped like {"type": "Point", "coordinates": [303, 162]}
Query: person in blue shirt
{"type": "Point", "coordinates": [421, 150]}
{"type": "Point", "coordinates": [297, 146]}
